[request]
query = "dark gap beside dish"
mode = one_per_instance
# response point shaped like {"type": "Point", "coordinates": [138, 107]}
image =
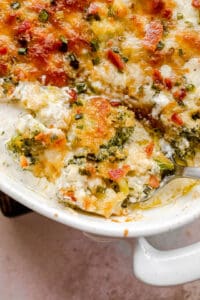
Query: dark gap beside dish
{"type": "Point", "coordinates": [11, 208]}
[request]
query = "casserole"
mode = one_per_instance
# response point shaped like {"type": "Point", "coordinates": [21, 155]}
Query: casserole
{"type": "Point", "coordinates": [42, 120]}
{"type": "Point", "coordinates": [150, 265]}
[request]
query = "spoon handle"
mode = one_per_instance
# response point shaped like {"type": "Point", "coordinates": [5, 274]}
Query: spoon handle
{"type": "Point", "coordinates": [191, 172]}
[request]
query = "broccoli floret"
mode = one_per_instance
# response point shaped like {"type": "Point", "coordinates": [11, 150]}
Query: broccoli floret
{"type": "Point", "coordinates": [28, 147]}
{"type": "Point", "coordinates": [191, 134]}
{"type": "Point", "coordinates": [165, 164]}
{"type": "Point", "coordinates": [114, 148]}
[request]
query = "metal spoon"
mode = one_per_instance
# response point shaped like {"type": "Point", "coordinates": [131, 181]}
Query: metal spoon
{"type": "Point", "coordinates": [179, 172]}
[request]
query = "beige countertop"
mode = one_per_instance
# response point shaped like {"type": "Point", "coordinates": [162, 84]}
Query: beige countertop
{"type": "Point", "coordinates": [41, 259]}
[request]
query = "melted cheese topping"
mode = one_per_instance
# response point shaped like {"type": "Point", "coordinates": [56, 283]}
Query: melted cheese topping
{"type": "Point", "coordinates": [109, 91]}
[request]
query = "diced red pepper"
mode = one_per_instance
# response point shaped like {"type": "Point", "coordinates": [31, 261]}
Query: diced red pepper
{"type": "Point", "coordinates": [76, 44]}
{"type": "Point", "coordinates": [149, 149]}
{"type": "Point", "coordinates": [196, 3]}
{"type": "Point", "coordinates": [168, 83]}
{"type": "Point", "coordinates": [116, 60]}
{"type": "Point", "coordinates": [176, 118]}
{"type": "Point", "coordinates": [117, 174]}
{"type": "Point", "coordinates": [70, 194]}
{"type": "Point", "coordinates": [157, 76]}
{"type": "Point", "coordinates": [24, 27]}
{"type": "Point", "coordinates": [73, 4]}
{"type": "Point", "coordinates": [57, 77]}
{"type": "Point", "coordinates": [11, 18]}
{"type": "Point", "coordinates": [3, 69]}
{"type": "Point", "coordinates": [180, 94]}
{"type": "Point", "coordinates": [73, 95]}
{"type": "Point", "coordinates": [157, 6]}
{"type": "Point", "coordinates": [154, 181]}
{"type": "Point", "coordinates": [153, 35]}
{"type": "Point", "coordinates": [42, 47]}
{"type": "Point", "coordinates": [167, 13]}
{"type": "Point", "coordinates": [3, 50]}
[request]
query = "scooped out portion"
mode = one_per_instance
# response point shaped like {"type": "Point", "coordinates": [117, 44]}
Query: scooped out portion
{"type": "Point", "coordinates": [101, 161]}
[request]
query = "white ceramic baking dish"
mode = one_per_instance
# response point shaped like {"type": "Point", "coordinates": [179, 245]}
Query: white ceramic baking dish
{"type": "Point", "coordinates": [150, 265]}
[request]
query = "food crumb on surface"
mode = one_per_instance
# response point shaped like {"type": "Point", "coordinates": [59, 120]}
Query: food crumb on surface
{"type": "Point", "coordinates": [126, 233]}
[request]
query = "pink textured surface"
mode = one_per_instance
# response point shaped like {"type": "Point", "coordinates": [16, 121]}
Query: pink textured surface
{"type": "Point", "coordinates": [41, 259]}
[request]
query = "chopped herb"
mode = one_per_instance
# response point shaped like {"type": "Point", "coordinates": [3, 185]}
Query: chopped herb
{"type": "Point", "coordinates": [189, 24]}
{"type": "Point", "coordinates": [179, 16]}
{"type": "Point", "coordinates": [94, 44]}
{"type": "Point", "coordinates": [196, 116]}
{"type": "Point", "coordinates": [100, 189]}
{"type": "Point", "coordinates": [23, 42]}
{"type": "Point", "coordinates": [113, 150]}
{"type": "Point", "coordinates": [78, 116]}
{"type": "Point", "coordinates": [74, 63]}
{"type": "Point", "coordinates": [54, 137]}
{"type": "Point", "coordinates": [81, 87]}
{"type": "Point", "coordinates": [22, 51]}
{"type": "Point", "coordinates": [125, 59]}
{"type": "Point", "coordinates": [64, 44]}
{"type": "Point", "coordinates": [84, 172]}
{"type": "Point", "coordinates": [125, 203]}
{"type": "Point", "coordinates": [121, 137]}
{"type": "Point", "coordinates": [121, 38]}
{"type": "Point", "coordinates": [164, 163]}
{"type": "Point", "coordinates": [141, 91]}
{"type": "Point", "coordinates": [111, 12]}
{"type": "Point", "coordinates": [43, 16]}
{"type": "Point", "coordinates": [77, 160]}
{"type": "Point", "coordinates": [15, 5]}
{"type": "Point", "coordinates": [115, 187]}
{"type": "Point", "coordinates": [91, 156]}
{"type": "Point", "coordinates": [177, 83]}
{"type": "Point", "coordinates": [180, 52]}
{"type": "Point", "coordinates": [156, 87]}
{"type": "Point", "coordinates": [160, 45]}
{"type": "Point", "coordinates": [96, 61]}
{"type": "Point", "coordinates": [190, 87]}
{"type": "Point", "coordinates": [78, 103]}
{"type": "Point", "coordinates": [53, 2]}
{"type": "Point", "coordinates": [115, 49]}
{"type": "Point", "coordinates": [91, 17]}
